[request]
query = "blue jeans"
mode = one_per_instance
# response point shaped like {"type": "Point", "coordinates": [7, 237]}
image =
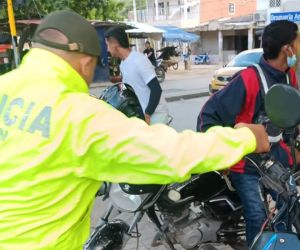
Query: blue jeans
{"type": "Point", "coordinates": [247, 188]}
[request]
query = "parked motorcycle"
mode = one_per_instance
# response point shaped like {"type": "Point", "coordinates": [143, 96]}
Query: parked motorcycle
{"type": "Point", "coordinates": [192, 213]}
{"type": "Point", "coordinates": [202, 59]}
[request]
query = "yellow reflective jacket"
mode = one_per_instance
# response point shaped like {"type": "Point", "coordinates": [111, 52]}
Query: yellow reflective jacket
{"type": "Point", "coordinates": [57, 144]}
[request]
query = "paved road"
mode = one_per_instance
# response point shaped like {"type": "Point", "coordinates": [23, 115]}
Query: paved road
{"type": "Point", "coordinates": [178, 82]}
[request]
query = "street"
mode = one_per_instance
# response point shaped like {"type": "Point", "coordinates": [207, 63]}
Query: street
{"type": "Point", "coordinates": [178, 88]}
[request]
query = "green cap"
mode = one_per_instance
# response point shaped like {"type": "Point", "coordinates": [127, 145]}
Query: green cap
{"type": "Point", "coordinates": [82, 36]}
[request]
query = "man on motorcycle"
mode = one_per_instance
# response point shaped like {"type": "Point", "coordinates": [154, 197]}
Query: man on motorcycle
{"type": "Point", "coordinates": [242, 101]}
{"type": "Point", "coordinates": [149, 52]}
{"type": "Point", "coordinates": [138, 72]}
{"type": "Point", "coordinates": [58, 144]}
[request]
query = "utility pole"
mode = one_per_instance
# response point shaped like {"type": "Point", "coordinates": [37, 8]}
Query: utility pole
{"type": "Point", "coordinates": [135, 19]}
{"type": "Point", "coordinates": [185, 10]}
{"type": "Point", "coordinates": [134, 11]}
{"type": "Point", "coordinates": [13, 31]}
{"type": "Point", "coordinates": [156, 10]}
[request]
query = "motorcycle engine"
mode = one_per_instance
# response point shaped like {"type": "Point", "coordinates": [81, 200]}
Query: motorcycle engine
{"type": "Point", "coordinates": [190, 228]}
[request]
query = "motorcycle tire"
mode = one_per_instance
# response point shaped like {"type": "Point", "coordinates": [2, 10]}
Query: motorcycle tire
{"type": "Point", "coordinates": [108, 236]}
{"type": "Point", "coordinates": [175, 66]}
{"type": "Point", "coordinates": [160, 73]}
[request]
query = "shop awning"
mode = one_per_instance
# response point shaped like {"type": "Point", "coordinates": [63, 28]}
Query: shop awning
{"type": "Point", "coordinates": [142, 30]}
{"type": "Point", "coordinates": [175, 34]}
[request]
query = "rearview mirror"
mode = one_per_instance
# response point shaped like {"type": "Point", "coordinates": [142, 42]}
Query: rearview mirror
{"type": "Point", "coordinates": [282, 105]}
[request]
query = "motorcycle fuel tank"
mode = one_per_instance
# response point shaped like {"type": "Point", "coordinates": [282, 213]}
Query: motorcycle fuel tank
{"type": "Point", "coordinates": [202, 187]}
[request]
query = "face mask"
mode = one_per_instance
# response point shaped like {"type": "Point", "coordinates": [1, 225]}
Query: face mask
{"type": "Point", "coordinates": [292, 60]}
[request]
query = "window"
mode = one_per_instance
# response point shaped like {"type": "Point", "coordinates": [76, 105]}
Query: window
{"type": "Point", "coordinates": [245, 59]}
{"type": "Point", "coordinates": [275, 3]}
{"type": "Point", "coordinates": [231, 8]}
{"type": "Point", "coordinates": [161, 9]}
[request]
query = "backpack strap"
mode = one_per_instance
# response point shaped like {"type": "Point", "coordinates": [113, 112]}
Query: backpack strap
{"type": "Point", "coordinates": [265, 89]}
{"type": "Point", "coordinates": [263, 78]}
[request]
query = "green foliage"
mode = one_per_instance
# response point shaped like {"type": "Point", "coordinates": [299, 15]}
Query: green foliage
{"type": "Point", "coordinates": [92, 9]}
{"type": "Point", "coordinates": [128, 6]}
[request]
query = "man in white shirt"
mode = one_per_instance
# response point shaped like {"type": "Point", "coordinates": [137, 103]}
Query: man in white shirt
{"type": "Point", "coordinates": [138, 72]}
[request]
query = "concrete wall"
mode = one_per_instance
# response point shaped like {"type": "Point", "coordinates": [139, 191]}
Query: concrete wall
{"type": "Point", "coordinates": [208, 43]}
{"type": "Point", "coordinates": [262, 4]}
{"type": "Point", "coordinates": [290, 5]}
{"type": "Point", "coordinates": [215, 9]}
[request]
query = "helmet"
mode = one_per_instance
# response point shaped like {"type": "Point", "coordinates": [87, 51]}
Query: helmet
{"type": "Point", "coordinates": [122, 97]}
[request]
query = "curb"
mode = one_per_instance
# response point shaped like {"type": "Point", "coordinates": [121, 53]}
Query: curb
{"type": "Point", "coordinates": [186, 97]}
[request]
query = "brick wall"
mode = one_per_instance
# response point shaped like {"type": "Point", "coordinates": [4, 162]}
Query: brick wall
{"type": "Point", "coordinates": [215, 9]}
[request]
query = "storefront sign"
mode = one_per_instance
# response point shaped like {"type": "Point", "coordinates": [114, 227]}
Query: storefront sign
{"type": "Point", "coordinates": [291, 16]}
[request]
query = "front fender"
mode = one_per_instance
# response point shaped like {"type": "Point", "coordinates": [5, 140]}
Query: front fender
{"type": "Point", "coordinates": [108, 236]}
{"type": "Point", "coordinates": [276, 241]}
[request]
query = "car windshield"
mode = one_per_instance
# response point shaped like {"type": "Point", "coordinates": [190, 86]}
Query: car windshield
{"type": "Point", "coordinates": [245, 60]}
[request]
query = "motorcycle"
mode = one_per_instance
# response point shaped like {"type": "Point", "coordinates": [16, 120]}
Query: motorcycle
{"type": "Point", "coordinates": [182, 218]}
{"type": "Point", "coordinates": [285, 115]}
{"type": "Point", "coordinates": [202, 59]}
{"type": "Point", "coordinates": [188, 214]}
{"type": "Point", "coordinates": [160, 70]}
{"type": "Point", "coordinates": [169, 57]}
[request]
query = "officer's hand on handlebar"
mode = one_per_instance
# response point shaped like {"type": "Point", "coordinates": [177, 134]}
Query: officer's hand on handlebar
{"type": "Point", "coordinates": [262, 141]}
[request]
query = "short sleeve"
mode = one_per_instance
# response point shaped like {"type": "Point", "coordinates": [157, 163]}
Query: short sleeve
{"type": "Point", "coordinates": [145, 69]}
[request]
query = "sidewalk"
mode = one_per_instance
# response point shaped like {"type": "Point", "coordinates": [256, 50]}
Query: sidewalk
{"type": "Point", "coordinates": [179, 84]}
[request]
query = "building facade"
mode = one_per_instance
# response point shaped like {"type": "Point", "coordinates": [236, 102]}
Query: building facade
{"type": "Point", "coordinates": [180, 13]}
{"type": "Point", "coordinates": [216, 9]}
{"type": "Point", "coordinates": [226, 27]}
{"type": "Point", "coordinates": [236, 25]}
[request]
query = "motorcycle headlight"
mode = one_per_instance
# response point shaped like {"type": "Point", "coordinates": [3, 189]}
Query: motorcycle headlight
{"type": "Point", "coordinates": [124, 201]}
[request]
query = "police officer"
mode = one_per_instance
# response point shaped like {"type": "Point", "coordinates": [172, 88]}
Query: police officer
{"type": "Point", "coordinates": [58, 144]}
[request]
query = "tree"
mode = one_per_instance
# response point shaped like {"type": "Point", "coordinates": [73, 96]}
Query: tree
{"type": "Point", "coordinates": [128, 6]}
{"type": "Point", "coordinates": [93, 9]}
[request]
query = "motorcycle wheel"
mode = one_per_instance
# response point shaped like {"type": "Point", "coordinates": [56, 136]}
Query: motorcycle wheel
{"type": "Point", "coordinates": [175, 66]}
{"type": "Point", "coordinates": [160, 73]}
{"type": "Point", "coordinates": [207, 62]}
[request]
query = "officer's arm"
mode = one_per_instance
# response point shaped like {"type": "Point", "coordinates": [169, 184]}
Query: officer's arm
{"type": "Point", "coordinates": [107, 146]}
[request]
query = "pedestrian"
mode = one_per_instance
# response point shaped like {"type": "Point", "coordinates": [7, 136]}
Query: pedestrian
{"type": "Point", "coordinates": [138, 72]}
{"type": "Point", "coordinates": [58, 144]}
{"type": "Point", "coordinates": [242, 100]}
{"type": "Point", "coordinates": [149, 52]}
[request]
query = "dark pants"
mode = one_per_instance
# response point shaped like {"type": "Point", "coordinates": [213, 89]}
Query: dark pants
{"type": "Point", "coordinates": [254, 211]}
